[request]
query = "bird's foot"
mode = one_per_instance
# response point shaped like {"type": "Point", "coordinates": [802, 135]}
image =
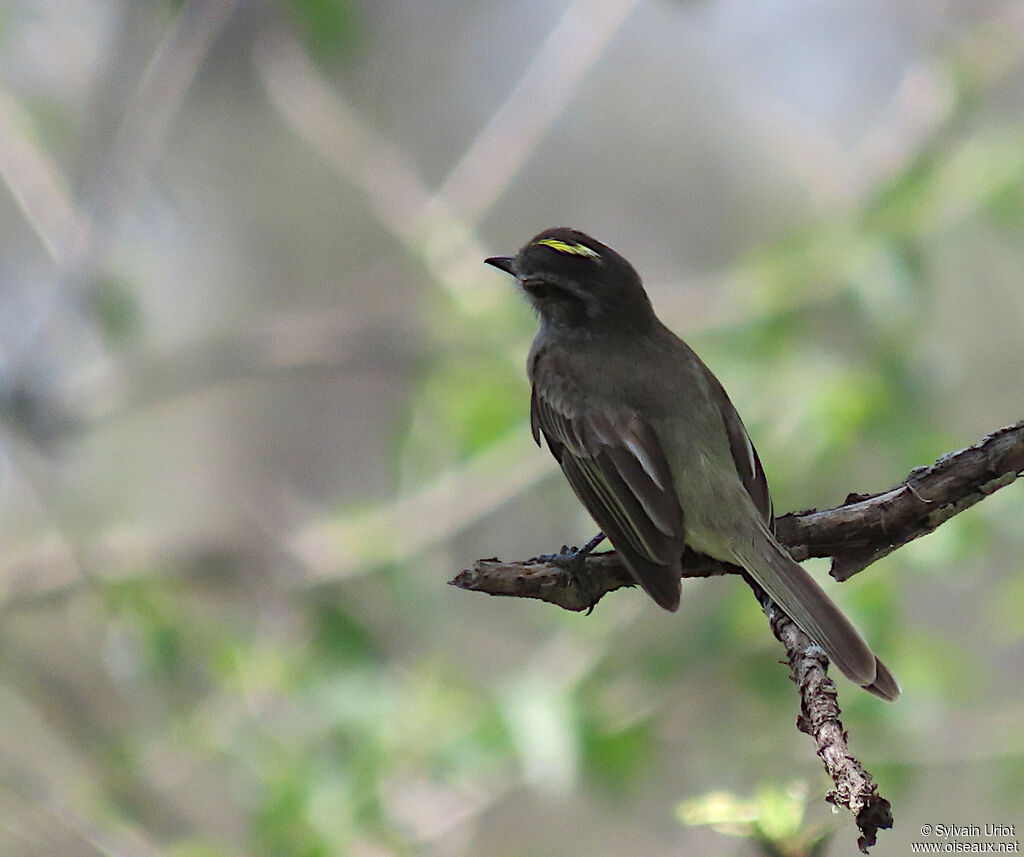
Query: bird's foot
{"type": "Point", "coordinates": [572, 560]}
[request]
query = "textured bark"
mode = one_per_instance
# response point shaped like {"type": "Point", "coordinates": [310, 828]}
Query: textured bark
{"type": "Point", "coordinates": [863, 529]}
{"type": "Point", "coordinates": [854, 788]}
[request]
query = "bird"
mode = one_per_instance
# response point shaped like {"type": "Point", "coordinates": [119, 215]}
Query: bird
{"type": "Point", "coordinates": [652, 446]}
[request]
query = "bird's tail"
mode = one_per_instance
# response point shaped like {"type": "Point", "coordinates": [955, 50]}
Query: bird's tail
{"type": "Point", "coordinates": [806, 603]}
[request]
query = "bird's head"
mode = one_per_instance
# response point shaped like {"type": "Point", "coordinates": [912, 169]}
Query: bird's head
{"type": "Point", "coordinates": [576, 281]}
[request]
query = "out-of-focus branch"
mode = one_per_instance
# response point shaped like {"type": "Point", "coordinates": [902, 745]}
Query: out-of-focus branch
{"type": "Point", "coordinates": [427, 516]}
{"type": "Point", "coordinates": [926, 105]}
{"type": "Point", "coordinates": [155, 103]}
{"type": "Point", "coordinates": [78, 237]}
{"type": "Point", "coordinates": [517, 127]}
{"type": "Point", "coordinates": [855, 534]}
{"type": "Point", "coordinates": [399, 198]}
{"type": "Point", "coordinates": [300, 344]}
{"type": "Point", "coordinates": [439, 226]}
{"type": "Point", "coordinates": [36, 184]}
{"type": "Point", "coordinates": [77, 244]}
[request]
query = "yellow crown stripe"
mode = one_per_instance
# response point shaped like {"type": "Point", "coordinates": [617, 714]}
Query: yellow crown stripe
{"type": "Point", "coordinates": [571, 249]}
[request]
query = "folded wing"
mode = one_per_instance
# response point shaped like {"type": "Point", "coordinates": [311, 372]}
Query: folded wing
{"type": "Point", "coordinates": [614, 463]}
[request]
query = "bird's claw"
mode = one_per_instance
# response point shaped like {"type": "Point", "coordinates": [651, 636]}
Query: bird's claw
{"type": "Point", "coordinates": [572, 561]}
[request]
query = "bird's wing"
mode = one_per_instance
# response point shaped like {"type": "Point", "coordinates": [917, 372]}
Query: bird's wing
{"type": "Point", "coordinates": [748, 465]}
{"type": "Point", "coordinates": [616, 466]}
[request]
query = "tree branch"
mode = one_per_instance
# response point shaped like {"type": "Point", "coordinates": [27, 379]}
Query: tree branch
{"type": "Point", "coordinates": [862, 530]}
{"type": "Point", "coordinates": [868, 527]}
{"type": "Point", "coordinates": [854, 788]}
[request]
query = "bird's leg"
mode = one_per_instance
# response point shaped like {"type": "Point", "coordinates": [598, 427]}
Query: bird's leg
{"type": "Point", "coordinates": [572, 554]}
{"type": "Point", "coordinates": [573, 562]}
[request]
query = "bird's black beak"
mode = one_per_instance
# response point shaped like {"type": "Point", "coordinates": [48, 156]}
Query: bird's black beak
{"type": "Point", "coordinates": [502, 263]}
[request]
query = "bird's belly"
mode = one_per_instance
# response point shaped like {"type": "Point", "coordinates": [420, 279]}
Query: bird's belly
{"type": "Point", "coordinates": [716, 509]}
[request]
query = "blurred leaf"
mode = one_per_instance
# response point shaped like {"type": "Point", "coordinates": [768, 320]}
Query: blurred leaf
{"type": "Point", "coordinates": [281, 826]}
{"type": "Point", "coordinates": [936, 666]}
{"type": "Point", "coordinates": [1007, 780]}
{"type": "Point", "coordinates": [155, 614]}
{"type": "Point", "coordinates": [462, 406]}
{"type": "Point", "coordinates": [53, 125]}
{"type": "Point", "coordinates": [946, 184]}
{"type": "Point", "coordinates": [112, 302]}
{"type": "Point", "coordinates": [328, 27]}
{"type": "Point", "coordinates": [476, 402]}
{"type": "Point", "coordinates": [1006, 619]}
{"type": "Point", "coordinates": [774, 817]}
{"type": "Point", "coordinates": [940, 552]}
{"type": "Point", "coordinates": [197, 848]}
{"type": "Point", "coordinates": [543, 720]}
{"type": "Point", "coordinates": [617, 758]}
{"type": "Point", "coordinates": [338, 637]}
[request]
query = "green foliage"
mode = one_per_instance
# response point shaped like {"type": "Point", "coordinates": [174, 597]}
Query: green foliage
{"type": "Point", "coordinates": [774, 818]}
{"type": "Point", "coordinates": [51, 124]}
{"type": "Point", "coordinates": [338, 636]}
{"type": "Point", "coordinates": [328, 26]}
{"type": "Point", "coordinates": [617, 756]}
{"type": "Point", "coordinates": [196, 848]}
{"type": "Point", "coordinates": [1005, 616]}
{"type": "Point", "coordinates": [152, 627]}
{"type": "Point", "coordinates": [467, 404]}
{"type": "Point", "coordinates": [112, 302]}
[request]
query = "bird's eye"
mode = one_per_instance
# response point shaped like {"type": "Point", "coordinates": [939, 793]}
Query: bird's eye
{"type": "Point", "coordinates": [537, 288]}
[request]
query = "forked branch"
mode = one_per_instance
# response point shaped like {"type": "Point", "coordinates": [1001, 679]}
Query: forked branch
{"type": "Point", "coordinates": [855, 534]}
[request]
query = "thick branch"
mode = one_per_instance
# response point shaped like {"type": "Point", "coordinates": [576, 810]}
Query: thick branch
{"type": "Point", "coordinates": [855, 534]}
{"type": "Point", "coordinates": [867, 527]}
{"type": "Point", "coordinates": [540, 578]}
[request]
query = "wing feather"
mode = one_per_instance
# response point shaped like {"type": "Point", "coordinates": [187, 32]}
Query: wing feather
{"type": "Point", "coordinates": [744, 456]}
{"type": "Point", "coordinates": [615, 465]}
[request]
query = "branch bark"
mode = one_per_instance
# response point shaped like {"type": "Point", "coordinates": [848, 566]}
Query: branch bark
{"type": "Point", "coordinates": [863, 529]}
{"type": "Point", "coordinates": [854, 788]}
{"type": "Point", "coordinates": [866, 528]}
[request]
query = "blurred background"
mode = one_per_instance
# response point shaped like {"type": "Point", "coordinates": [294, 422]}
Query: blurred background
{"type": "Point", "coordinates": [261, 399]}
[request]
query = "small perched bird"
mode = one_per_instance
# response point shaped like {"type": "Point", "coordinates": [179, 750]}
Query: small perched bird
{"type": "Point", "coordinates": [651, 444]}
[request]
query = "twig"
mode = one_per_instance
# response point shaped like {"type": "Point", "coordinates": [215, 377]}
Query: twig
{"type": "Point", "coordinates": [819, 717]}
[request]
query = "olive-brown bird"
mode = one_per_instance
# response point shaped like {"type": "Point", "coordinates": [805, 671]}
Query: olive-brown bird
{"type": "Point", "coordinates": [651, 444]}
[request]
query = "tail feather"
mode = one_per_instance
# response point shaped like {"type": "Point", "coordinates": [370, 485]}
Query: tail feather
{"type": "Point", "coordinates": [885, 684]}
{"type": "Point", "coordinates": [806, 603]}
